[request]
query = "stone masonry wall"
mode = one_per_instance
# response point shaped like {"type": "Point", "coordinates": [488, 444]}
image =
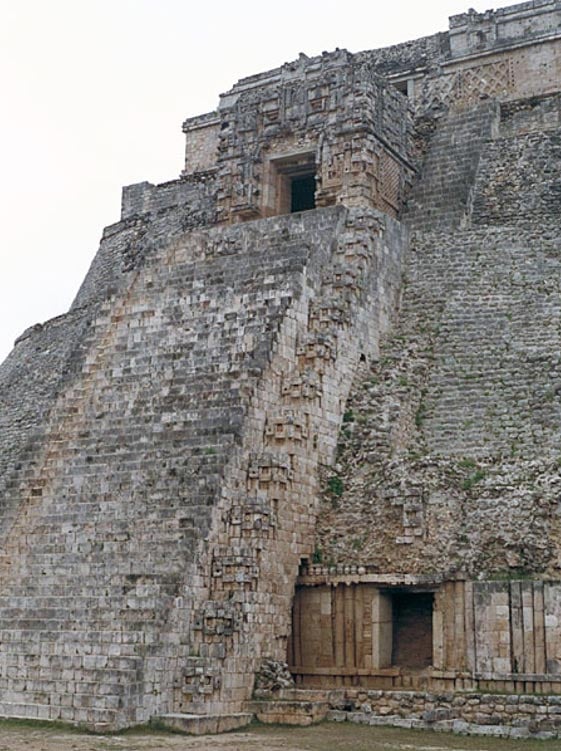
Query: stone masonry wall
{"type": "Point", "coordinates": [201, 144]}
{"type": "Point", "coordinates": [54, 352]}
{"type": "Point", "coordinates": [93, 562]}
{"type": "Point", "coordinates": [449, 452]}
{"type": "Point", "coordinates": [474, 32]}
{"type": "Point", "coordinates": [350, 127]}
{"type": "Point", "coordinates": [194, 192]}
{"type": "Point", "coordinates": [505, 75]}
{"type": "Point", "coordinates": [152, 217]}
{"type": "Point", "coordinates": [470, 35]}
{"type": "Point", "coordinates": [501, 635]}
{"type": "Point", "coordinates": [267, 512]}
{"type": "Point", "coordinates": [169, 452]}
{"type": "Point", "coordinates": [412, 57]}
{"type": "Point", "coordinates": [530, 115]}
{"type": "Point", "coordinates": [111, 582]}
{"type": "Point", "coordinates": [450, 446]}
{"type": "Point", "coordinates": [507, 54]}
{"type": "Point", "coordinates": [518, 716]}
{"type": "Point", "coordinates": [520, 176]}
{"type": "Point", "coordinates": [355, 128]}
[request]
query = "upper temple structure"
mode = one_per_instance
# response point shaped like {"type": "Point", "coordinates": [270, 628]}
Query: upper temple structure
{"type": "Point", "coordinates": [295, 449]}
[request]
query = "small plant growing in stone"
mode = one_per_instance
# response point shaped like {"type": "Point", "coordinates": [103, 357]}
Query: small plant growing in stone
{"type": "Point", "coordinates": [335, 485]}
{"type": "Point", "coordinates": [473, 479]}
{"type": "Point", "coordinates": [348, 416]}
{"type": "Point", "coordinates": [317, 556]}
{"type": "Point", "coordinates": [420, 415]}
{"type": "Point", "coordinates": [357, 543]}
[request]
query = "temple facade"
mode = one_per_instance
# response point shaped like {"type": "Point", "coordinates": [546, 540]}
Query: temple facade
{"type": "Point", "coordinates": [294, 450]}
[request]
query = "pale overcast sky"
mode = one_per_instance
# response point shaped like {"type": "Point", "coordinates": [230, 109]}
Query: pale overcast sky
{"type": "Point", "coordinates": [93, 96]}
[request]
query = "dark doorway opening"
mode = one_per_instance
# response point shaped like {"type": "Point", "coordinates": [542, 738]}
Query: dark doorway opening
{"type": "Point", "coordinates": [402, 87]}
{"type": "Point", "coordinates": [412, 629]}
{"type": "Point", "coordinates": [302, 193]}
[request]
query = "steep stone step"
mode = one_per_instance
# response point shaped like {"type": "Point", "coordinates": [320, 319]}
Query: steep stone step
{"type": "Point", "coordinates": [441, 195]}
{"type": "Point", "coordinates": [296, 706]}
{"type": "Point", "coordinates": [465, 402]}
{"type": "Point", "coordinates": [204, 724]}
{"type": "Point", "coordinates": [287, 712]}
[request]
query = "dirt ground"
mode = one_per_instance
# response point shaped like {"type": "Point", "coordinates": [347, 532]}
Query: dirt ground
{"type": "Point", "coordinates": [326, 737]}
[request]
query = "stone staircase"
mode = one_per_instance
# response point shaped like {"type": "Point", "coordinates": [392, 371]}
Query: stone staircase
{"type": "Point", "coordinates": [297, 706]}
{"type": "Point", "coordinates": [441, 196]}
{"type": "Point", "coordinates": [196, 724]}
{"type": "Point", "coordinates": [288, 706]}
{"type": "Point", "coordinates": [462, 411]}
{"type": "Point", "coordinates": [159, 379]}
{"type": "Point", "coordinates": [297, 419]}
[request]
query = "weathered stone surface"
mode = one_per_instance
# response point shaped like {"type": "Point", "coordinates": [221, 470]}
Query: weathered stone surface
{"type": "Point", "coordinates": [179, 452]}
{"type": "Point", "coordinates": [273, 676]}
{"type": "Point", "coordinates": [110, 594]}
{"type": "Point", "coordinates": [409, 709]}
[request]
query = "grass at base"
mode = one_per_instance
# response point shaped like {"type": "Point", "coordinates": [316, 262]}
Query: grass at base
{"type": "Point", "coordinates": [23, 723]}
{"type": "Point", "coordinates": [348, 736]}
{"type": "Point", "coordinates": [326, 736]}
